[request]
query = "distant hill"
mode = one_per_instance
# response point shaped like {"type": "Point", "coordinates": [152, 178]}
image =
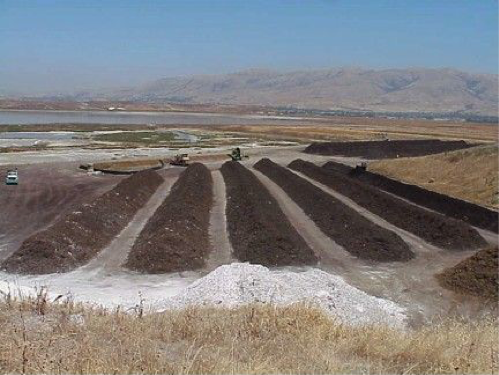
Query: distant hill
{"type": "Point", "coordinates": [404, 90]}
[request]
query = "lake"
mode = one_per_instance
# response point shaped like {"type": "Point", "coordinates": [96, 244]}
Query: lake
{"type": "Point", "coordinates": [156, 118]}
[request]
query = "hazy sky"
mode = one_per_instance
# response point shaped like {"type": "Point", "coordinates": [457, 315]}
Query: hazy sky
{"type": "Point", "coordinates": [48, 45]}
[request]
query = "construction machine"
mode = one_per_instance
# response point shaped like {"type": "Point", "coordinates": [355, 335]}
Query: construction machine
{"type": "Point", "coordinates": [181, 160]}
{"type": "Point", "coordinates": [235, 155]}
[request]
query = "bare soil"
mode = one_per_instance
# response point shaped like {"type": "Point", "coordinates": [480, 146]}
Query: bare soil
{"type": "Point", "coordinates": [470, 213]}
{"type": "Point", "coordinates": [434, 228]}
{"type": "Point", "coordinates": [74, 239]}
{"type": "Point", "coordinates": [115, 254]}
{"type": "Point", "coordinates": [386, 149]}
{"type": "Point", "coordinates": [46, 192]}
{"type": "Point", "coordinates": [176, 237]}
{"type": "Point", "coordinates": [344, 225]}
{"type": "Point", "coordinates": [222, 249]}
{"type": "Point", "coordinates": [259, 231]}
{"type": "Point", "coordinates": [476, 275]}
{"type": "Point", "coordinates": [128, 166]}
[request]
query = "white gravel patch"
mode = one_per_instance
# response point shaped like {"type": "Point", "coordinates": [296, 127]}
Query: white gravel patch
{"type": "Point", "coordinates": [241, 283]}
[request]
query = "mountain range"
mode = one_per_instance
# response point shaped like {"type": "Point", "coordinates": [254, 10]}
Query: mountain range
{"type": "Point", "coordinates": [398, 90]}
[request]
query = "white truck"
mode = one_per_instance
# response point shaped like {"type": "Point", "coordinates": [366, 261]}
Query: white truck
{"type": "Point", "coordinates": [12, 177]}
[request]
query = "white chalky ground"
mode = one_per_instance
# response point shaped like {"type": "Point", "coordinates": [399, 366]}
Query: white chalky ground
{"type": "Point", "coordinates": [227, 286]}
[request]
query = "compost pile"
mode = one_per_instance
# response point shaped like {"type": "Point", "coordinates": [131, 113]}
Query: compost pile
{"type": "Point", "coordinates": [434, 228]}
{"type": "Point", "coordinates": [259, 231]}
{"type": "Point", "coordinates": [473, 214]}
{"type": "Point", "coordinates": [386, 149]}
{"type": "Point", "coordinates": [240, 284]}
{"type": "Point", "coordinates": [476, 275]}
{"type": "Point", "coordinates": [176, 237]}
{"type": "Point", "coordinates": [74, 239]}
{"type": "Point", "coordinates": [342, 224]}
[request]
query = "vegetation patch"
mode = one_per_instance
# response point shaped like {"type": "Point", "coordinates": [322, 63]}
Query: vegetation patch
{"type": "Point", "coordinates": [467, 174]}
{"type": "Point", "coordinates": [47, 338]}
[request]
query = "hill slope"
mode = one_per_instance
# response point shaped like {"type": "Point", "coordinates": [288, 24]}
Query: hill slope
{"type": "Point", "coordinates": [437, 90]}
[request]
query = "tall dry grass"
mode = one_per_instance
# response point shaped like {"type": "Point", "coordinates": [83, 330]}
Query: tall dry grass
{"type": "Point", "coordinates": [470, 174]}
{"type": "Point", "coordinates": [41, 337]}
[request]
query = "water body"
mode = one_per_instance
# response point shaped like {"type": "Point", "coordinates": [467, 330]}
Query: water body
{"type": "Point", "coordinates": [156, 118]}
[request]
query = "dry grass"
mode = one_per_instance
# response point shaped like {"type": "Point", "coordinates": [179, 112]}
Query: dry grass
{"type": "Point", "coordinates": [38, 337]}
{"type": "Point", "coordinates": [357, 128]}
{"type": "Point", "coordinates": [470, 174]}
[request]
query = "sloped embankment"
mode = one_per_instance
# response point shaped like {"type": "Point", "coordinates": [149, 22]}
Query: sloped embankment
{"type": "Point", "coordinates": [386, 149]}
{"type": "Point", "coordinates": [74, 239]}
{"type": "Point", "coordinates": [176, 237]}
{"type": "Point", "coordinates": [470, 213]}
{"type": "Point", "coordinates": [434, 228]}
{"type": "Point", "coordinates": [259, 231]}
{"type": "Point", "coordinates": [344, 225]}
{"type": "Point", "coordinates": [476, 275]}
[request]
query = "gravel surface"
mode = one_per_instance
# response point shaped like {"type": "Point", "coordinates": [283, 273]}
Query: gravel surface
{"type": "Point", "coordinates": [242, 283]}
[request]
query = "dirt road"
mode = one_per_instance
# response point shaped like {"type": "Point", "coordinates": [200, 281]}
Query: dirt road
{"type": "Point", "coordinates": [222, 249]}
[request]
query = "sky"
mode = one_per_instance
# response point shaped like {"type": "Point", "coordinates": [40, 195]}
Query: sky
{"type": "Point", "coordinates": [68, 45]}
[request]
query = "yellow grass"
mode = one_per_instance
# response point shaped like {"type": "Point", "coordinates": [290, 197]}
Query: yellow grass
{"type": "Point", "coordinates": [365, 128]}
{"type": "Point", "coordinates": [470, 174]}
{"type": "Point", "coordinates": [37, 337]}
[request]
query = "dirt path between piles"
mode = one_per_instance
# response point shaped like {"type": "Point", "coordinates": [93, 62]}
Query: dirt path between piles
{"type": "Point", "coordinates": [411, 283]}
{"type": "Point", "coordinates": [114, 255]}
{"type": "Point", "coordinates": [416, 244]}
{"type": "Point", "coordinates": [219, 237]}
{"type": "Point", "coordinates": [323, 246]}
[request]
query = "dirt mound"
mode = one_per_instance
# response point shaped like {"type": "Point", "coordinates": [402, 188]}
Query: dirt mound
{"type": "Point", "coordinates": [434, 228]}
{"type": "Point", "coordinates": [385, 149]}
{"type": "Point", "coordinates": [344, 225]}
{"type": "Point", "coordinates": [259, 231]}
{"type": "Point", "coordinates": [473, 214]}
{"type": "Point", "coordinates": [476, 275]}
{"type": "Point", "coordinates": [74, 239]}
{"type": "Point", "coordinates": [176, 237]}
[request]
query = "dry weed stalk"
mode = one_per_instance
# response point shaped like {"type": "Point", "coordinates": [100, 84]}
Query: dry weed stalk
{"type": "Point", "coordinates": [40, 336]}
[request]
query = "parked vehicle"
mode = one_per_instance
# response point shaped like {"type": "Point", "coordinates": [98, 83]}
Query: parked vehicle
{"type": "Point", "coordinates": [12, 177]}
